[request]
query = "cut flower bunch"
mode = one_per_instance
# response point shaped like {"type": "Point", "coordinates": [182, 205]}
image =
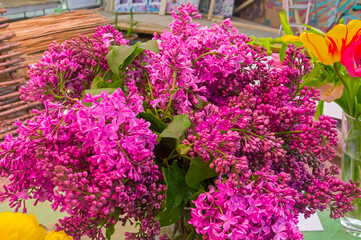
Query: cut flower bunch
{"type": "Point", "coordinates": [337, 74]}
{"type": "Point", "coordinates": [194, 128]}
{"type": "Point", "coordinates": [337, 64]}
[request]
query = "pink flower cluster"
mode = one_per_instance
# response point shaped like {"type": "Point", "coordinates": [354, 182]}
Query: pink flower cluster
{"type": "Point", "coordinates": [67, 69]}
{"type": "Point", "coordinates": [253, 206]}
{"type": "Point", "coordinates": [208, 64]}
{"type": "Point", "coordinates": [94, 162]}
{"type": "Point", "coordinates": [97, 159]}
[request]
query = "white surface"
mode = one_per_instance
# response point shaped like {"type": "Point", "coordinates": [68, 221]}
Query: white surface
{"type": "Point", "coordinates": [332, 110]}
{"type": "Point", "coordinates": [312, 223]}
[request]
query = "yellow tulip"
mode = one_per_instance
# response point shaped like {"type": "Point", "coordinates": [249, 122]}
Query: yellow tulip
{"type": "Point", "coordinates": [19, 226]}
{"type": "Point", "coordinates": [61, 235]}
{"type": "Point", "coordinates": [290, 38]}
{"type": "Point", "coordinates": [328, 49]}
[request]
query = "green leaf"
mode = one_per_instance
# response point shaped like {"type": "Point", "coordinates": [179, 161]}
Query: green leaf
{"type": "Point", "coordinates": [110, 231]}
{"type": "Point", "coordinates": [176, 127]}
{"type": "Point", "coordinates": [283, 52]}
{"type": "Point", "coordinates": [314, 30]}
{"type": "Point", "coordinates": [285, 23]}
{"type": "Point", "coordinates": [315, 78]}
{"type": "Point", "coordinates": [87, 104]}
{"type": "Point", "coordinates": [176, 196]}
{"type": "Point", "coordinates": [343, 102]}
{"type": "Point", "coordinates": [177, 189]}
{"type": "Point", "coordinates": [195, 195]}
{"type": "Point", "coordinates": [319, 110]}
{"type": "Point", "coordinates": [277, 40]}
{"type": "Point", "coordinates": [151, 45]}
{"type": "Point", "coordinates": [266, 43]}
{"type": "Point", "coordinates": [201, 104]}
{"type": "Point", "coordinates": [131, 57]}
{"type": "Point", "coordinates": [169, 216]}
{"type": "Point", "coordinates": [117, 212]}
{"type": "Point", "coordinates": [98, 91]}
{"type": "Point", "coordinates": [117, 55]}
{"type": "Point", "coordinates": [182, 237]}
{"type": "Point", "coordinates": [97, 82]}
{"type": "Point", "coordinates": [199, 171]}
{"type": "Point", "coordinates": [155, 123]}
{"type": "Point", "coordinates": [115, 82]}
{"type": "Point", "coordinates": [252, 41]}
{"type": "Point", "coordinates": [182, 149]}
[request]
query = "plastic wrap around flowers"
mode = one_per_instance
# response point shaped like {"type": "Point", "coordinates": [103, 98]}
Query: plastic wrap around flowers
{"type": "Point", "coordinates": [196, 129]}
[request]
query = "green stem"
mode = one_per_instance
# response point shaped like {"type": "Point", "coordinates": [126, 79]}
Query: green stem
{"type": "Point", "coordinates": [54, 95]}
{"type": "Point", "coordinates": [287, 132]}
{"type": "Point", "coordinates": [171, 95]}
{"type": "Point", "coordinates": [205, 54]}
{"type": "Point", "coordinates": [189, 237]}
{"type": "Point", "coordinates": [348, 91]}
{"type": "Point", "coordinates": [246, 131]}
{"type": "Point", "coordinates": [151, 93]}
{"type": "Point", "coordinates": [219, 151]}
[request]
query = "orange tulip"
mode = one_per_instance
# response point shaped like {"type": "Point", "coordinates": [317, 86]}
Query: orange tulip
{"type": "Point", "coordinates": [328, 49]}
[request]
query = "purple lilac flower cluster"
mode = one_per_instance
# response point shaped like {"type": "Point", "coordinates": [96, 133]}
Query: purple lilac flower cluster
{"type": "Point", "coordinates": [92, 162]}
{"type": "Point", "coordinates": [208, 64]}
{"type": "Point", "coordinates": [253, 206]}
{"type": "Point", "coordinates": [255, 118]}
{"type": "Point", "coordinates": [97, 159]}
{"type": "Point", "coordinates": [67, 69]}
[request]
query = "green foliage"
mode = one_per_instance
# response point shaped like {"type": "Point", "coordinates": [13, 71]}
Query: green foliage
{"type": "Point", "coordinates": [99, 91]}
{"type": "Point", "coordinates": [176, 128]}
{"type": "Point", "coordinates": [118, 58]}
{"type": "Point", "coordinates": [319, 109]}
{"type": "Point", "coordinates": [155, 123]}
{"type": "Point", "coordinates": [199, 171]}
{"type": "Point", "coordinates": [314, 30]}
{"type": "Point", "coordinates": [177, 195]}
{"type": "Point", "coordinates": [132, 24]}
{"type": "Point", "coordinates": [110, 231]}
{"type": "Point", "coordinates": [97, 82]}
{"type": "Point", "coordinates": [285, 23]}
{"type": "Point", "coordinates": [266, 43]}
{"type": "Point", "coordinates": [150, 45]}
{"type": "Point", "coordinates": [182, 149]}
{"type": "Point", "coordinates": [169, 216]}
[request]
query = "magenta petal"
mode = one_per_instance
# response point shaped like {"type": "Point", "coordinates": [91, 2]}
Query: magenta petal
{"type": "Point", "coordinates": [226, 226]}
{"type": "Point", "coordinates": [351, 59]}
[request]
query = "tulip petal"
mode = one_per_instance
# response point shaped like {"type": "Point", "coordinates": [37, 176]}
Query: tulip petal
{"type": "Point", "coordinates": [61, 235]}
{"type": "Point", "coordinates": [351, 59]}
{"type": "Point", "coordinates": [19, 226]}
{"type": "Point", "coordinates": [290, 38]}
{"type": "Point", "coordinates": [353, 31]}
{"type": "Point", "coordinates": [335, 40]}
{"type": "Point", "coordinates": [317, 45]}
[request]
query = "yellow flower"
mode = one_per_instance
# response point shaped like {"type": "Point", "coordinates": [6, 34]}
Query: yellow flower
{"type": "Point", "coordinates": [290, 38]}
{"type": "Point", "coordinates": [19, 226]}
{"type": "Point", "coordinates": [328, 48]}
{"type": "Point", "coordinates": [61, 235]}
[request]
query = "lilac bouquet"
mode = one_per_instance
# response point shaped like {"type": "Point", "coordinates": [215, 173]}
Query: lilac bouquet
{"type": "Point", "coordinates": [194, 128]}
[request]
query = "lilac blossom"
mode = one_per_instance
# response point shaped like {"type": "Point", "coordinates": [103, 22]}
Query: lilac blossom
{"type": "Point", "coordinates": [96, 158]}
